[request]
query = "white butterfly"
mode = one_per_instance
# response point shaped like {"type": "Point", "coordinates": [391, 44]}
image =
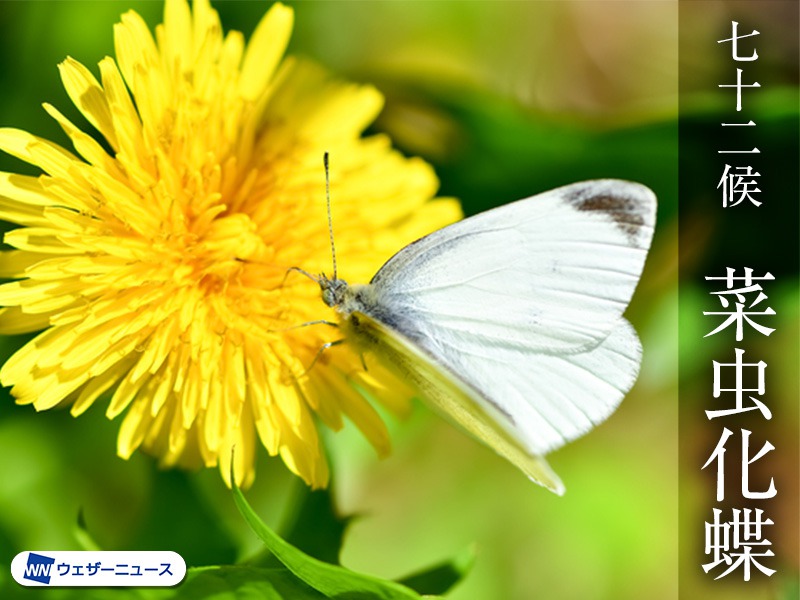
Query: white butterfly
{"type": "Point", "coordinates": [510, 322]}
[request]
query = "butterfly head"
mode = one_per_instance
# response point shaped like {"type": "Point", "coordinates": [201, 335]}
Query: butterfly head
{"type": "Point", "coordinates": [333, 290]}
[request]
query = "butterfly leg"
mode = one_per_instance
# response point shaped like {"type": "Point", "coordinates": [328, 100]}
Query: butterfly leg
{"type": "Point", "coordinates": [301, 271]}
{"type": "Point", "coordinates": [306, 324]}
{"type": "Point", "coordinates": [319, 353]}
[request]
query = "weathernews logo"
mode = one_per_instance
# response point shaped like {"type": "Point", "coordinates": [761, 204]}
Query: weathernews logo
{"type": "Point", "coordinates": [38, 568]}
{"type": "Point", "coordinates": [98, 568]}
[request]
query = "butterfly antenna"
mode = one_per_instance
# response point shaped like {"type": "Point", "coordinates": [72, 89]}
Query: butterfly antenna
{"type": "Point", "coordinates": [330, 219]}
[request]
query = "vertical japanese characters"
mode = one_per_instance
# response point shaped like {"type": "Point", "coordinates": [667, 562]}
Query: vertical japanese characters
{"type": "Point", "coordinates": [738, 182]}
{"type": "Point", "coordinates": [737, 535]}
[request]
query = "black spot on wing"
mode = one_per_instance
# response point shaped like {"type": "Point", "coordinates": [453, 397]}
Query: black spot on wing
{"type": "Point", "coordinates": [627, 204]}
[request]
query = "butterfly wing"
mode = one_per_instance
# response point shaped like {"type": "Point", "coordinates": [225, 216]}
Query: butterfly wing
{"type": "Point", "coordinates": [449, 394]}
{"type": "Point", "coordinates": [523, 306]}
{"type": "Point", "coordinates": [552, 273]}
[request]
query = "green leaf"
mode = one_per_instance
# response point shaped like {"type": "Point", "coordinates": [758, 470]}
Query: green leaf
{"type": "Point", "coordinates": [14, 591]}
{"type": "Point", "coordinates": [219, 583]}
{"type": "Point", "coordinates": [316, 528]}
{"type": "Point", "coordinates": [331, 580]}
{"type": "Point", "coordinates": [241, 583]}
{"type": "Point", "coordinates": [439, 579]}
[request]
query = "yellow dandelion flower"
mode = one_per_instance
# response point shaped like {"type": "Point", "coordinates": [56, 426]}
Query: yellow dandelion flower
{"type": "Point", "coordinates": [156, 267]}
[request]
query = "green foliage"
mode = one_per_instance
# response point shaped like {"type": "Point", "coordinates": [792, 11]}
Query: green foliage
{"type": "Point", "coordinates": [334, 581]}
{"type": "Point", "coordinates": [439, 579]}
{"type": "Point", "coordinates": [299, 576]}
{"type": "Point", "coordinates": [240, 582]}
{"type": "Point", "coordinates": [317, 530]}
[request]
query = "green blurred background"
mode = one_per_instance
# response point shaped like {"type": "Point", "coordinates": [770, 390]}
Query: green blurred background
{"type": "Point", "coordinates": [505, 99]}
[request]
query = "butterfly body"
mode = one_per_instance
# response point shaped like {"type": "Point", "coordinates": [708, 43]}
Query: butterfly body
{"type": "Point", "coordinates": [510, 322]}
